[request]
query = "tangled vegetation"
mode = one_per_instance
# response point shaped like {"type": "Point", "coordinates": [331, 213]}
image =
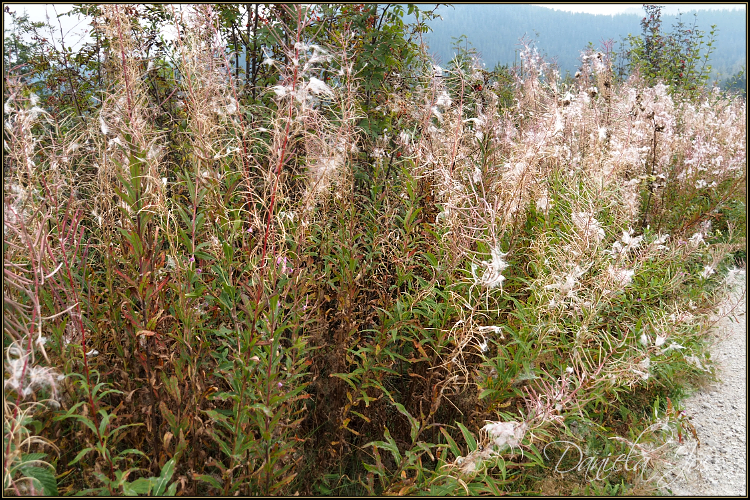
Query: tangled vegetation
{"type": "Point", "coordinates": [315, 262]}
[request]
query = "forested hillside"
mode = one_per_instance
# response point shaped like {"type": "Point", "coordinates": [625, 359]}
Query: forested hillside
{"type": "Point", "coordinates": [495, 30]}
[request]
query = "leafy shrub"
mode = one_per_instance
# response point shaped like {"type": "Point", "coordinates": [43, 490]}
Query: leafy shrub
{"type": "Point", "coordinates": [679, 58]}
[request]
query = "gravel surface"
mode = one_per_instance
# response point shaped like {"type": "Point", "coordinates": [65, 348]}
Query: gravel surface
{"type": "Point", "coordinates": [718, 467]}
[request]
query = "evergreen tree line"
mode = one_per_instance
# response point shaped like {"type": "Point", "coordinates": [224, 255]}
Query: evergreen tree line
{"type": "Point", "coordinates": [495, 31]}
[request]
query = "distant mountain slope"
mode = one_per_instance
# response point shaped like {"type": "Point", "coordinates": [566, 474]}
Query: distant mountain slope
{"type": "Point", "coordinates": [495, 29]}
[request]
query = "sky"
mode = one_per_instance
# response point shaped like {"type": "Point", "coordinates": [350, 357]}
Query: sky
{"type": "Point", "coordinates": [74, 29]}
{"type": "Point", "coordinates": [637, 8]}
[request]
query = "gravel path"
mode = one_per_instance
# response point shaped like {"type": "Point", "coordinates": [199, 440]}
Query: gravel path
{"type": "Point", "coordinates": [719, 413]}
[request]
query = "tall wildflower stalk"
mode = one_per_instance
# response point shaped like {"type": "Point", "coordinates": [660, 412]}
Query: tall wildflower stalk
{"type": "Point", "coordinates": [40, 239]}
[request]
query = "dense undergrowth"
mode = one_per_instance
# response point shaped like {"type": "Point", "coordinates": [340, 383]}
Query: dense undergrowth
{"type": "Point", "coordinates": [327, 288]}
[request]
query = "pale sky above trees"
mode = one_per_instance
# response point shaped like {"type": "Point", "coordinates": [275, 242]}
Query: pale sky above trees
{"type": "Point", "coordinates": [636, 8]}
{"type": "Point", "coordinates": [74, 28]}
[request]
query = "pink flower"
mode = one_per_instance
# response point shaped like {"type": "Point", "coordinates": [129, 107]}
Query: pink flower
{"type": "Point", "coordinates": [282, 261]}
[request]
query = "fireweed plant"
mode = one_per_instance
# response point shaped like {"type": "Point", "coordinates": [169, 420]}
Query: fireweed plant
{"type": "Point", "coordinates": [344, 269]}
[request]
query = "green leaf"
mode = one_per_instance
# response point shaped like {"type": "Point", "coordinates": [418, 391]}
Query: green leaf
{"type": "Point", "coordinates": [44, 476]}
{"type": "Point", "coordinates": [431, 259]}
{"type": "Point", "coordinates": [413, 422]}
{"type": "Point", "coordinates": [85, 420]}
{"type": "Point", "coordinates": [468, 436]}
{"type": "Point", "coordinates": [208, 479]}
{"type": "Point", "coordinates": [346, 377]}
{"type": "Point", "coordinates": [390, 446]}
{"type": "Point", "coordinates": [199, 292]}
{"type": "Point", "coordinates": [424, 447]}
{"type": "Point", "coordinates": [134, 452]}
{"type": "Point", "coordinates": [160, 484]}
{"type": "Point", "coordinates": [104, 421]}
{"type": "Point", "coordinates": [453, 446]}
{"type": "Point", "coordinates": [140, 486]}
{"type": "Point", "coordinates": [118, 429]}
{"type": "Point", "coordinates": [535, 456]}
{"type": "Point", "coordinates": [263, 408]}
{"type": "Point", "coordinates": [28, 457]}
{"type": "Point", "coordinates": [80, 455]}
{"type": "Point", "coordinates": [203, 255]}
{"type": "Point", "coordinates": [172, 387]}
{"type": "Point", "coordinates": [487, 392]}
{"type": "Point", "coordinates": [219, 438]}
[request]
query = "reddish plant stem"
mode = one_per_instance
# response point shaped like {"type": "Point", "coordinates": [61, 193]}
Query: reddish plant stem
{"type": "Point", "coordinates": [124, 67]}
{"type": "Point", "coordinates": [34, 298]}
{"type": "Point", "coordinates": [78, 318]}
{"type": "Point", "coordinates": [243, 124]}
{"type": "Point", "coordinates": [277, 173]}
